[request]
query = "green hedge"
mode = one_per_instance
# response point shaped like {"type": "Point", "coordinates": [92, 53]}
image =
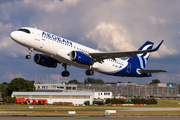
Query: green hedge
{"type": "Point", "coordinates": [143, 101]}
{"type": "Point", "coordinates": [133, 101]}
{"type": "Point", "coordinates": [114, 101]}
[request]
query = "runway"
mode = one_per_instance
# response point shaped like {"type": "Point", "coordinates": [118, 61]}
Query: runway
{"type": "Point", "coordinates": [150, 109]}
{"type": "Point", "coordinates": [115, 108]}
{"type": "Point", "coordinates": [94, 118]}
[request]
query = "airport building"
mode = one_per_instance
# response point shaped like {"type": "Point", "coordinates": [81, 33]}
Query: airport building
{"type": "Point", "coordinates": [56, 87]}
{"type": "Point", "coordinates": [74, 97]}
{"type": "Point", "coordinates": [79, 93]}
{"type": "Point", "coordinates": [160, 90]}
{"type": "Point", "coordinates": [103, 95]}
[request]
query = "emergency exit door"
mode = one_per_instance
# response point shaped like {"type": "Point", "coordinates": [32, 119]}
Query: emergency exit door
{"type": "Point", "coordinates": [37, 34]}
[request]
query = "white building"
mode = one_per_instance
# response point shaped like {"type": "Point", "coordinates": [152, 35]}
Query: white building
{"type": "Point", "coordinates": [62, 87]}
{"type": "Point", "coordinates": [74, 97]}
{"type": "Point", "coordinates": [102, 95]}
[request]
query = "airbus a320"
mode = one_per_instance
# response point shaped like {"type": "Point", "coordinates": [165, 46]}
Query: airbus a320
{"type": "Point", "coordinates": [56, 50]}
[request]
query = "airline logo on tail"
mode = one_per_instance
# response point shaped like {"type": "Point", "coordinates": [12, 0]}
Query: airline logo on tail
{"type": "Point", "coordinates": [141, 59]}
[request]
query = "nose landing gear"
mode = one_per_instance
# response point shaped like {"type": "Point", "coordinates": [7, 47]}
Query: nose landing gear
{"type": "Point", "coordinates": [30, 51]}
{"type": "Point", "coordinates": [65, 73]}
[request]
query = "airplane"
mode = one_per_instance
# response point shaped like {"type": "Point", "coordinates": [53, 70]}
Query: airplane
{"type": "Point", "coordinates": [56, 50]}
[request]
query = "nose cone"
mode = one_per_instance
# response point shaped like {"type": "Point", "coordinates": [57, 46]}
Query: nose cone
{"type": "Point", "coordinates": [13, 35]}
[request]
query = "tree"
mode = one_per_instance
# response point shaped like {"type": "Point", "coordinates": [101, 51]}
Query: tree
{"type": "Point", "coordinates": [86, 102]}
{"type": "Point", "coordinates": [74, 82]}
{"type": "Point", "coordinates": [99, 81]}
{"type": "Point", "coordinates": [93, 81]}
{"type": "Point", "coordinates": [3, 90]}
{"type": "Point", "coordinates": [89, 80]}
{"type": "Point", "coordinates": [21, 85]}
{"type": "Point", "coordinates": [111, 83]}
{"type": "Point", "coordinates": [5, 83]}
{"type": "Point", "coordinates": [155, 81]}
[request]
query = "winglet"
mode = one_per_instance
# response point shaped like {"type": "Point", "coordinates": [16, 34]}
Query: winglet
{"type": "Point", "coordinates": [158, 46]}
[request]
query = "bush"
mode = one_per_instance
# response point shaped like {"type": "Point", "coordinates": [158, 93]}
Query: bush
{"type": "Point", "coordinates": [133, 101]}
{"type": "Point", "coordinates": [152, 101]}
{"type": "Point", "coordinates": [87, 102]}
{"type": "Point", "coordinates": [144, 101]}
{"type": "Point", "coordinates": [9, 99]}
{"type": "Point", "coordinates": [98, 103]}
{"type": "Point", "coordinates": [128, 102]}
{"type": "Point", "coordinates": [114, 101]}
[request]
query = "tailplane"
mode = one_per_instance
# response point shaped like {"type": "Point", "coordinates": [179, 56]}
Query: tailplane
{"type": "Point", "coordinates": [140, 60]}
{"type": "Point", "coordinates": [151, 71]}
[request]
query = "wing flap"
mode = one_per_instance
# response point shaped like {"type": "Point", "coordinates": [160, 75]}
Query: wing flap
{"type": "Point", "coordinates": [151, 71]}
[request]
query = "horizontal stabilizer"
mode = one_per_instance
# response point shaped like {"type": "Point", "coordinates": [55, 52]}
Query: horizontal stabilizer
{"type": "Point", "coordinates": [151, 71]}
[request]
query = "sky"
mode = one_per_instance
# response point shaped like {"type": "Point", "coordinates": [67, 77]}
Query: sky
{"type": "Point", "coordinates": [107, 25]}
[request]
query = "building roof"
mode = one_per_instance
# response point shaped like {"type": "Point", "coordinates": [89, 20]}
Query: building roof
{"type": "Point", "coordinates": [54, 93]}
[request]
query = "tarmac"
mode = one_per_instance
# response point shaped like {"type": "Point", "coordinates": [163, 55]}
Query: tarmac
{"type": "Point", "coordinates": [94, 118]}
{"type": "Point", "coordinates": [150, 109]}
{"type": "Point", "coordinates": [101, 117]}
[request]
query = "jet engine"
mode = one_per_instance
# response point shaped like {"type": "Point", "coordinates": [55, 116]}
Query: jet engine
{"type": "Point", "coordinates": [45, 61]}
{"type": "Point", "coordinates": [81, 58]}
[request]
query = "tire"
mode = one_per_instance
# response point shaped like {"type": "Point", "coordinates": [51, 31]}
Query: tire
{"type": "Point", "coordinates": [28, 57]}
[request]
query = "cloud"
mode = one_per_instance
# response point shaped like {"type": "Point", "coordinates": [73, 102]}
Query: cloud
{"type": "Point", "coordinates": [164, 78]}
{"type": "Point", "coordinates": [168, 78]}
{"type": "Point", "coordinates": [5, 15]}
{"type": "Point", "coordinates": [164, 51]}
{"type": "Point", "coordinates": [49, 6]}
{"type": "Point", "coordinates": [157, 20]}
{"type": "Point", "coordinates": [10, 48]}
{"type": "Point", "coordinates": [11, 76]}
{"type": "Point", "coordinates": [5, 27]}
{"type": "Point", "coordinates": [109, 36]}
{"type": "Point", "coordinates": [109, 25]}
{"type": "Point", "coordinates": [58, 77]}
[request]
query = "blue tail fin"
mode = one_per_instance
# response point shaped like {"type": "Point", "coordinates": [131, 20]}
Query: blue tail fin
{"type": "Point", "coordinates": [141, 59]}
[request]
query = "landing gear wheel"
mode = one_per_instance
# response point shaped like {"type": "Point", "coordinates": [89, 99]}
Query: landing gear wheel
{"type": "Point", "coordinates": [65, 73]}
{"type": "Point", "coordinates": [30, 51]}
{"type": "Point", "coordinates": [89, 72]}
{"type": "Point", "coordinates": [28, 56]}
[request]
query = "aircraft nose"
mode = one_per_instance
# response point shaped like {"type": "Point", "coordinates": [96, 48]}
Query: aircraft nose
{"type": "Point", "coordinates": [13, 35]}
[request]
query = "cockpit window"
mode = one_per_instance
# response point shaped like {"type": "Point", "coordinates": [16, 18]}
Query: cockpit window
{"type": "Point", "coordinates": [25, 30]}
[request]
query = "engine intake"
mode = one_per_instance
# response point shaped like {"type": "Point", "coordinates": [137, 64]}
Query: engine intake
{"type": "Point", "coordinates": [81, 58]}
{"type": "Point", "coordinates": [45, 61]}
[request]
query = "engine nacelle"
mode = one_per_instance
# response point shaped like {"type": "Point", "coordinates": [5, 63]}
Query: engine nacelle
{"type": "Point", "coordinates": [45, 61]}
{"type": "Point", "coordinates": [81, 58]}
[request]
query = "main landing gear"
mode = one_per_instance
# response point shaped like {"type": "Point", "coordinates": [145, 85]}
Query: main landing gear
{"type": "Point", "coordinates": [30, 51]}
{"type": "Point", "coordinates": [89, 72]}
{"type": "Point", "coordinates": [65, 73]}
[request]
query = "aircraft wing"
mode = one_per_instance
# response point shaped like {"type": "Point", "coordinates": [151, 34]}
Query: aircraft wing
{"type": "Point", "coordinates": [151, 71]}
{"type": "Point", "coordinates": [98, 57]}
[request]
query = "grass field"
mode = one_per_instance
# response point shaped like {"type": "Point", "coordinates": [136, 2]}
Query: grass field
{"type": "Point", "coordinates": [51, 110]}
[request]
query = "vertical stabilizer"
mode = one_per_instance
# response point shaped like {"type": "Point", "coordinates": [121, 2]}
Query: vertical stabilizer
{"type": "Point", "coordinates": [141, 59]}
